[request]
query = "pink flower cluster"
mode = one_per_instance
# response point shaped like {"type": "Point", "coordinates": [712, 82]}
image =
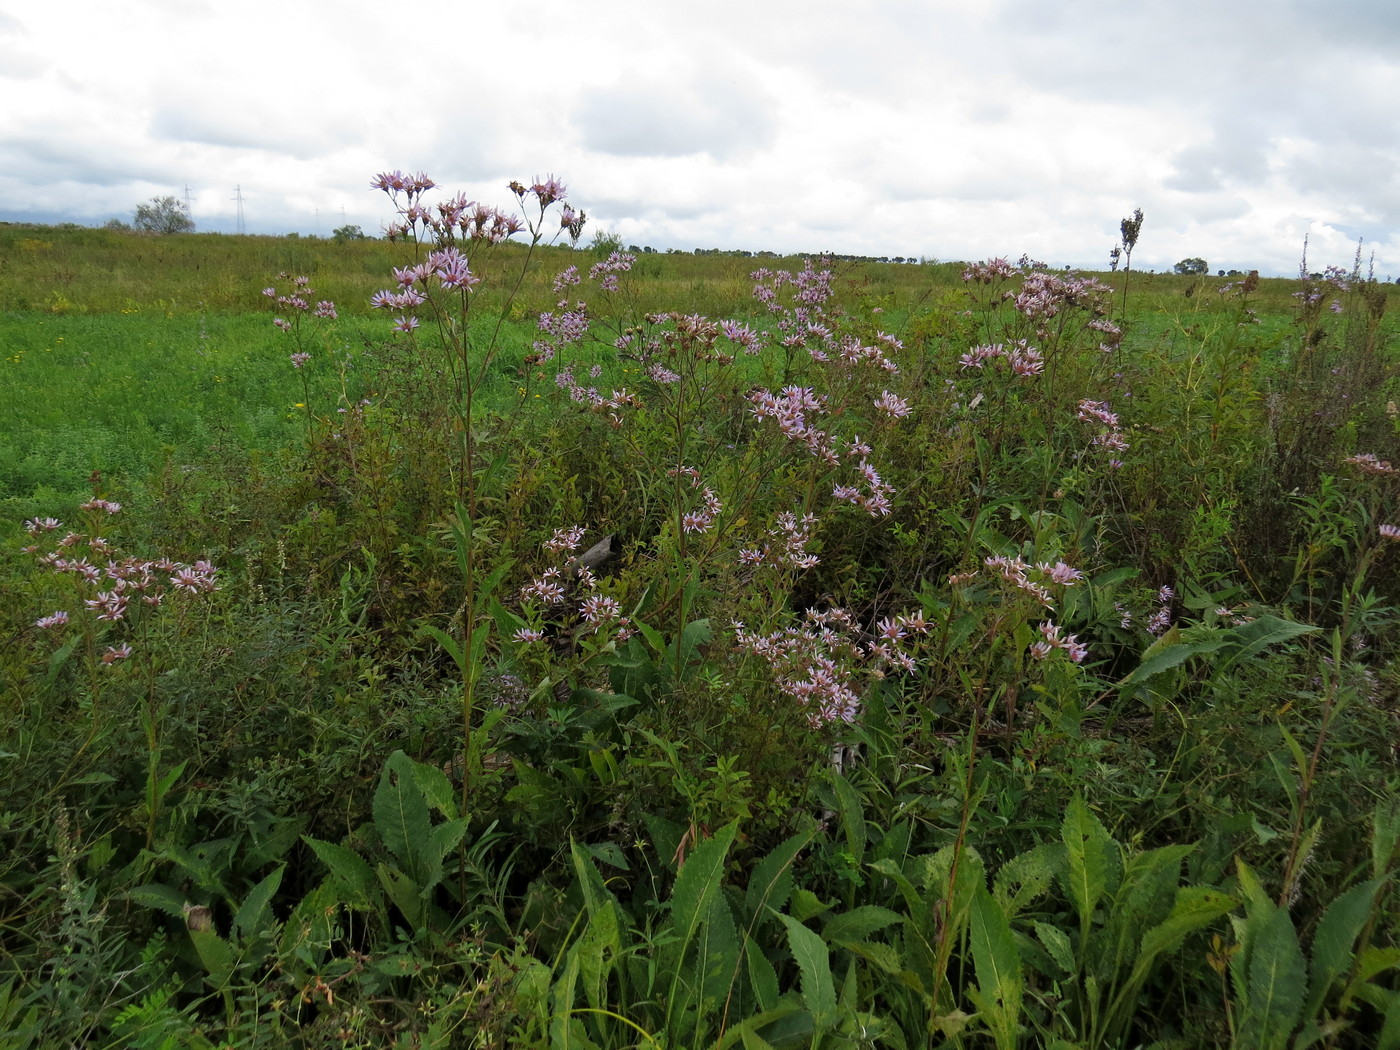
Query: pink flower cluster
{"type": "Point", "coordinates": [791, 409]}
{"type": "Point", "coordinates": [1111, 438]}
{"type": "Point", "coordinates": [875, 499]}
{"type": "Point", "coordinates": [297, 299]}
{"type": "Point", "coordinates": [550, 589]}
{"type": "Point", "coordinates": [117, 584]}
{"type": "Point", "coordinates": [1160, 620]}
{"type": "Point", "coordinates": [1044, 295]}
{"type": "Point", "coordinates": [606, 272]}
{"type": "Point", "coordinates": [988, 272]}
{"type": "Point", "coordinates": [1024, 360]}
{"type": "Point", "coordinates": [803, 324]}
{"type": "Point", "coordinates": [1370, 463]}
{"type": "Point", "coordinates": [702, 519]}
{"type": "Point", "coordinates": [793, 534]}
{"type": "Point", "coordinates": [1017, 572]}
{"type": "Point", "coordinates": [1052, 638]}
{"type": "Point", "coordinates": [815, 663]}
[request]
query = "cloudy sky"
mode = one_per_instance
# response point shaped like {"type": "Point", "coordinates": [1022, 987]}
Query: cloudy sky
{"type": "Point", "coordinates": [953, 129]}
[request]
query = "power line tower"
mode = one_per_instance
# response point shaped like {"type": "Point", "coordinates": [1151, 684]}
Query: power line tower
{"type": "Point", "coordinates": [189, 201]}
{"type": "Point", "coordinates": [238, 196]}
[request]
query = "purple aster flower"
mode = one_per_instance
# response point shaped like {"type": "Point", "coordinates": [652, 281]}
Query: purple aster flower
{"type": "Point", "coordinates": [115, 653]}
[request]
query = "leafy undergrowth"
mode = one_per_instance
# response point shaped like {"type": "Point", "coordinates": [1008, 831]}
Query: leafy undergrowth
{"type": "Point", "coordinates": [1020, 673]}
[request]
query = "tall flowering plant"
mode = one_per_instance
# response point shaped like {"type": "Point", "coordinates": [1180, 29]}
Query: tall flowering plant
{"type": "Point", "coordinates": [107, 605]}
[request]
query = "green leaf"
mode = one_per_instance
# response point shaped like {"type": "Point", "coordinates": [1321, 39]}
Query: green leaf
{"type": "Point", "coordinates": [997, 962]}
{"type": "Point", "coordinates": [401, 813]}
{"type": "Point", "coordinates": [161, 897]}
{"type": "Point", "coordinates": [747, 1033]}
{"type": "Point", "coordinates": [858, 923]}
{"type": "Point", "coordinates": [852, 813]}
{"type": "Point", "coordinates": [449, 645]}
{"type": "Point", "coordinates": [215, 954]}
{"type": "Point", "coordinates": [1086, 863]}
{"type": "Point", "coordinates": [1277, 985]}
{"type": "Point", "coordinates": [1332, 944]}
{"type": "Point", "coordinates": [1026, 876]}
{"type": "Point", "coordinates": [255, 910]}
{"type": "Point", "coordinates": [763, 979]}
{"type": "Point", "coordinates": [1194, 907]}
{"type": "Point", "coordinates": [442, 840]}
{"type": "Point", "coordinates": [437, 790]}
{"type": "Point", "coordinates": [771, 880]}
{"type": "Point", "coordinates": [353, 876]}
{"type": "Point", "coordinates": [698, 882]}
{"type": "Point", "coordinates": [1251, 638]}
{"type": "Point", "coordinates": [1057, 944]}
{"type": "Point", "coordinates": [403, 891]}
{"type": "Point", "coordinates": [814, 965]}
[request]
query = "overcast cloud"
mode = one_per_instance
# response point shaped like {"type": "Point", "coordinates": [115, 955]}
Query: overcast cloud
{"type": "Point", "coordinates": [947, 129]}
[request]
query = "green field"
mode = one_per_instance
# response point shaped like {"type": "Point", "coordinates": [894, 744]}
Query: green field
{"type": "Point", "coordinates": [916, 661]}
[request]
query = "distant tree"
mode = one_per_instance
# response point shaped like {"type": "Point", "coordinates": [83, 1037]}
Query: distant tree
{"type": "Point", "coordinates": [605, 242]}
{"type": "Point", "coordinates": [163, 215]}
{"type": "Point", "coordinates": [1191, 267]}
{"type": "Point", "coordinates": [117, 225]}
{"type": "Point", "coordinates": [348, 233]}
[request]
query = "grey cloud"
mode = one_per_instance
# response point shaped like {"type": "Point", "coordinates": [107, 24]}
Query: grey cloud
{"type": "Point", "coordinates": [723, 116]}
{"type": "Point", "coordinates": [245, 124]}
{"type": "Point", "coordinates": [17, 64]}
{"type": "Point", "coordinates": [47, 159]}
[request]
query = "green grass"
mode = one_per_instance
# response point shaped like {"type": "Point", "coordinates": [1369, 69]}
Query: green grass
{"type": "Point", "coordinates": [336, 802]}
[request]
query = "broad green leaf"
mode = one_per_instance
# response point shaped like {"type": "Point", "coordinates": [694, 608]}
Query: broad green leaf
{"type": "Point", "coordinates": [254, 912]}
{"type": "Point", "coordinates": [814, 966]}
{"type": "Point", "coordinates": [852, 813]}
{"type": "Point", "coordinates": [749, 1028]}
{"type": "Point", "coordinates": [763, 979]}
{"type": "Point", "coordinates": [450, 645]}
{"type": "Point", "coordinates": [997, 962]}
{"type": "Point", "coordinates": [698, 882]}
{"type": "Point", "coordinates": [442, 840]}
{"type": "Point", "coordinates": [858, 923]}
{"type": "Point", "coordinates": [717, 957]}
{"type": "Point", "coordinates": [1389, 1038]}
{"type": "Point", "coordinates": [693, 636]}
{"type": "Point", "coordinates": [1253, 637]}
{"type": "Point", "coordinates": [437, 790]}
{"type": "Point", "coordinates": [1341, 924]}
{"type": "Point", "coordinates": [352, 874]}
{"type": "Point", "coordinates": [161, 897]}
{"type": "Point", "coordinates": [1194, 907]}
{"type": "Point", "coordinates": [770, 883]}
{"type": "Point", "coordinates": [1026, 876]}
{"type": "Point", "coordinates": [1057, 944]}
{"type": "Point", "coordinates": [1277, 985]}
{"type": "Point", "coordinates": [1374, 961]}
{"type": "Point", "coordinates": [403, 891]}
{"type": "Point", "coordinates": [401, 813]}
{"type": "Point", "coordinates": [1086, 863]}
{"type": "Point", "coordinates": [216, 955]}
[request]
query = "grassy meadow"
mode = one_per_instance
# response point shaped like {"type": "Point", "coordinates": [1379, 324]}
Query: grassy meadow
{"type": "Point", "coordinates": [683, 652]}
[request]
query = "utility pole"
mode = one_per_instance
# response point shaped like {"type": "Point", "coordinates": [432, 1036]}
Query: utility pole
{"type": "Point", "coordinates": [238, 196]}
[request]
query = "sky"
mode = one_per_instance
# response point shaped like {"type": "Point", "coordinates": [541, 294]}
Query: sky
{"type": "Point", "coordinates": [942, 129]}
